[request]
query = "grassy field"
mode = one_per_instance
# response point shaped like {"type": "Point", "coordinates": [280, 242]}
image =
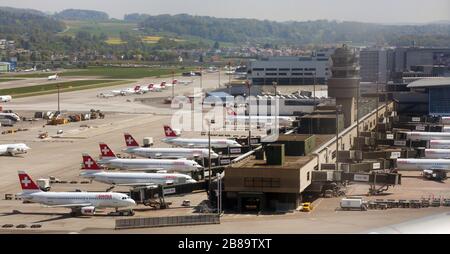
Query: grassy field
{"type": "Point", "coordinates": [8, 79]}
{"type": "Point", "coordinates": [109, 72]}
{"type": "Point", "coordinates": [115, 41]}
{"type": "Point", "coordinates": [64, 87]}
{"type": "Point", "coordinates": [112, 29]}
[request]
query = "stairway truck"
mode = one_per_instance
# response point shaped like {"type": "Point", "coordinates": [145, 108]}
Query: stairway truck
{"type": "Point", "coordinates": [353, 204]}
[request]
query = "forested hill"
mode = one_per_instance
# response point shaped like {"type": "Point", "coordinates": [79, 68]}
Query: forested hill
{"type": "Point", "coordinates": [85, 15]}
{"type": "Point", "coordinates": [25, 24]}
{"type": "Point", "coordinates": [320, 31]}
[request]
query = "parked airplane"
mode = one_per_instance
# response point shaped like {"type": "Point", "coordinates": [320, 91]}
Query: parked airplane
{"type": "Point", "coordinates": [184, 82]}
{"type": "Point", "coordinates": [30, 70]}
{"type": "Point", "coordinates": [153, 88]}
{"type": "Point", "coordinates": [173, 139]}
{"type": "Point", "coordinates": [282, 120]}
{"type": "Point", "coordinates": [446, 128]}
{"type": "Point", "coordinates": [92, 170]}
{"type": "Point", "coordinates": [181, 165]}
{"type": "Point", "coordinates": [437, 153]}
{"type": "Point", "coordinates": [164, 153]}
{"type": "Point", "coordinates": [53, 77]}
{"type": "Point", "coordinates": [433, 168]}
{"type": "Point", "coordinates": [84, 203]}
{"type": "Point", "coordinates": [13, 149]}
{"type": "Point", "coordinates": [416, 136]}
{"type": "Point", "coordinates": [439, 144]}
{"type": "Point", "coordinates": [5, 98]}
{"type": "Point", "coordinates": [10, 115]}
{"type": "Point", "coordinates": [445, 120]}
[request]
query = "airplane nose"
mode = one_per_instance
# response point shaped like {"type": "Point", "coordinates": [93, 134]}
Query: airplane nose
{"type": "Point", "coordinates": [131, 202]}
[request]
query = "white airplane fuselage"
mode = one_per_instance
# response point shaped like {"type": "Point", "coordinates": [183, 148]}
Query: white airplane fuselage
{"type": "Point", "coordinates": [439, 144]}
{"type": "Point", "coordinates": [134, 178]}
{"type": "Point", "coordinates": [423, 164]}
{"type": "Point", "coordinates": [200, 143]}
{"type": "Point", "coordinates": [152, 164]}
{"type": "Point", "coordinates": [13, 149]}
{"type": "Point", "coordinates": [5, 98]}
{"type": "Point", "coordinates": [96, 199]}
{"type": "Point", "coordinates": [170, 153]}
{"type": "Point", "coordinates": [417, 136]}
{"type": "Point", "coordinates": [437, 153]}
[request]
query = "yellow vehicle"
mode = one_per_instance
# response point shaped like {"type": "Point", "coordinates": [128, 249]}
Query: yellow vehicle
{"type": "Point", "coordinates": [307, 207]}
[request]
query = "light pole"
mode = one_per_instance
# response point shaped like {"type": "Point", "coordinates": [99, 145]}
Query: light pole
{"type": "Point", "coordinates": [219, 193]}
{"type": "Point", "coordinates": [357, 111]}
{"type": "Point", "coordinates": [314, 91]}
{"type": "Point", "coordinates": [338, 110]}
{"type": "Point", "coordinates": [173, 84]}
{"type": "Point", "coordinates": [201, 77]}
{"type": "Point", "coordinates": [209, 150]}
{"type": "Point", "coordinates": [219, 78]}
{"type": "Point", "coordinates": [377, 105]}
{"type": "Point", "coordinates": [247, 83]}
{"type": "Point", "coordinates": [58, 86]}
{"type": "Point", "coordinates": [276, 106]}
{"type": "Point", "coordinates": [229, 78]}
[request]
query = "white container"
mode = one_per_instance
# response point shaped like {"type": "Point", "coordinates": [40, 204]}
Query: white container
{"type": "Point", "coordinates": [352, 204]}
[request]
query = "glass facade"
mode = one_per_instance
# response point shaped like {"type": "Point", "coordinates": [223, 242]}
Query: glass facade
{"type": "Point", "coordinates": [439, 101]}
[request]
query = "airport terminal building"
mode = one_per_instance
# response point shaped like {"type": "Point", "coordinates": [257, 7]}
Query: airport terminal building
{"type": "Point", "coordinates": [292, 70]}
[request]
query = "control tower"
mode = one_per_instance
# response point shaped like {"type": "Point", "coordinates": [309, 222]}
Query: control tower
{"type": "Point", "coordinates": [344, 82]}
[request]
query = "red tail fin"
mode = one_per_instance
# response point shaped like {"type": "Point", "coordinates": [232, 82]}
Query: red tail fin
{"type": "Point", "coordinates": [150, 85]}
{"type": "Point", "coordinates": [231, 112]}
{"type": "Point", "coordinates": [89, 163]}
{"type": "Point", "coordinates": [174, 81]}
{"type": "Point", "coordinates": [163, 84]}
{"type": "Point", "coordinates": [130, 141]}
{"type": "Point", "coordinates": [169, 132]}
{"type": "Point", "coordinates": [27, 183]}
{"type": "Point", "coordinates": [136, 88]}
{"type": "Point", "coordinates": [106, 151]}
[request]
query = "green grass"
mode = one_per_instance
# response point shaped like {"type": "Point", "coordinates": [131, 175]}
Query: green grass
{"type": "Point", "coordinates": [110, 28]}
{"type": "Point", "coordinates": [64, 87]}
{"type": "Point", "coordinates": [111, 72]}
{"type": "Point", "coordinates": [8, 79]}
{"type": "Point", "coordinates": [122, 73]}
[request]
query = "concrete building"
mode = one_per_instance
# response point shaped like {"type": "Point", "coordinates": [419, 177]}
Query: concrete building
{"type": "Point", "coordinates": [407, 58]}
{"type": "Point", "coordinates": [292, 70]}
{"type": "Point", "coordinates": [436, 90]}
{"type": "Point", "coordinates": [344, 83]}
{"type": "Point", "coordinates": [376, 64]}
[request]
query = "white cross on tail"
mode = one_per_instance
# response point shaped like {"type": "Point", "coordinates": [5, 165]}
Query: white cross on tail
{"type": "Point", "coordinates": [26, 181]}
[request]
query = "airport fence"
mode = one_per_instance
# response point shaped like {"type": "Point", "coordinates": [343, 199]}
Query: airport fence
{"type": "Point", "coordinates": [167, 221]}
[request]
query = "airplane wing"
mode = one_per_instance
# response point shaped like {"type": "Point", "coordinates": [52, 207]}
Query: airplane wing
{"type": "Point", "coordinates": [71, 205]}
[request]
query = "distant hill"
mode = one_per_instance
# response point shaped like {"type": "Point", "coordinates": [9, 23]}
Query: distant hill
{"type": "Point", "coordinates": [318, 32]}
{"type": "Point", "coordinates": [86, 15]}
{"type": "Point", "coordinates": [22, 11]}
{"type": "Point", "coordinates": [135, 17]}
{"type": "Point", "coordinates": [19, 24]}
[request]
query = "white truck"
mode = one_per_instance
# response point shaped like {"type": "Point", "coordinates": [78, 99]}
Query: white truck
{"type": "Point", "coordinates": [353, 203]}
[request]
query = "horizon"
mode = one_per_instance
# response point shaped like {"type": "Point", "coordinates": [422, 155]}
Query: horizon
{"type": "Point", "coordinates": [397, 13]}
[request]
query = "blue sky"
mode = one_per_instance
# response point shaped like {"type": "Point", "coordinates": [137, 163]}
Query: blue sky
{"type": "Point", "coordinates": [378, 11]}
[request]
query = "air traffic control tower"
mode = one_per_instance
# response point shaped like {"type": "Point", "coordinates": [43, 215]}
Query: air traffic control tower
{"type": "Point", "coordinates": [344, 83]}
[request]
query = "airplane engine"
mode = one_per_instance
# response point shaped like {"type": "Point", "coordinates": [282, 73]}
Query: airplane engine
{"type": "Point", "coordinates": [88, 210]}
